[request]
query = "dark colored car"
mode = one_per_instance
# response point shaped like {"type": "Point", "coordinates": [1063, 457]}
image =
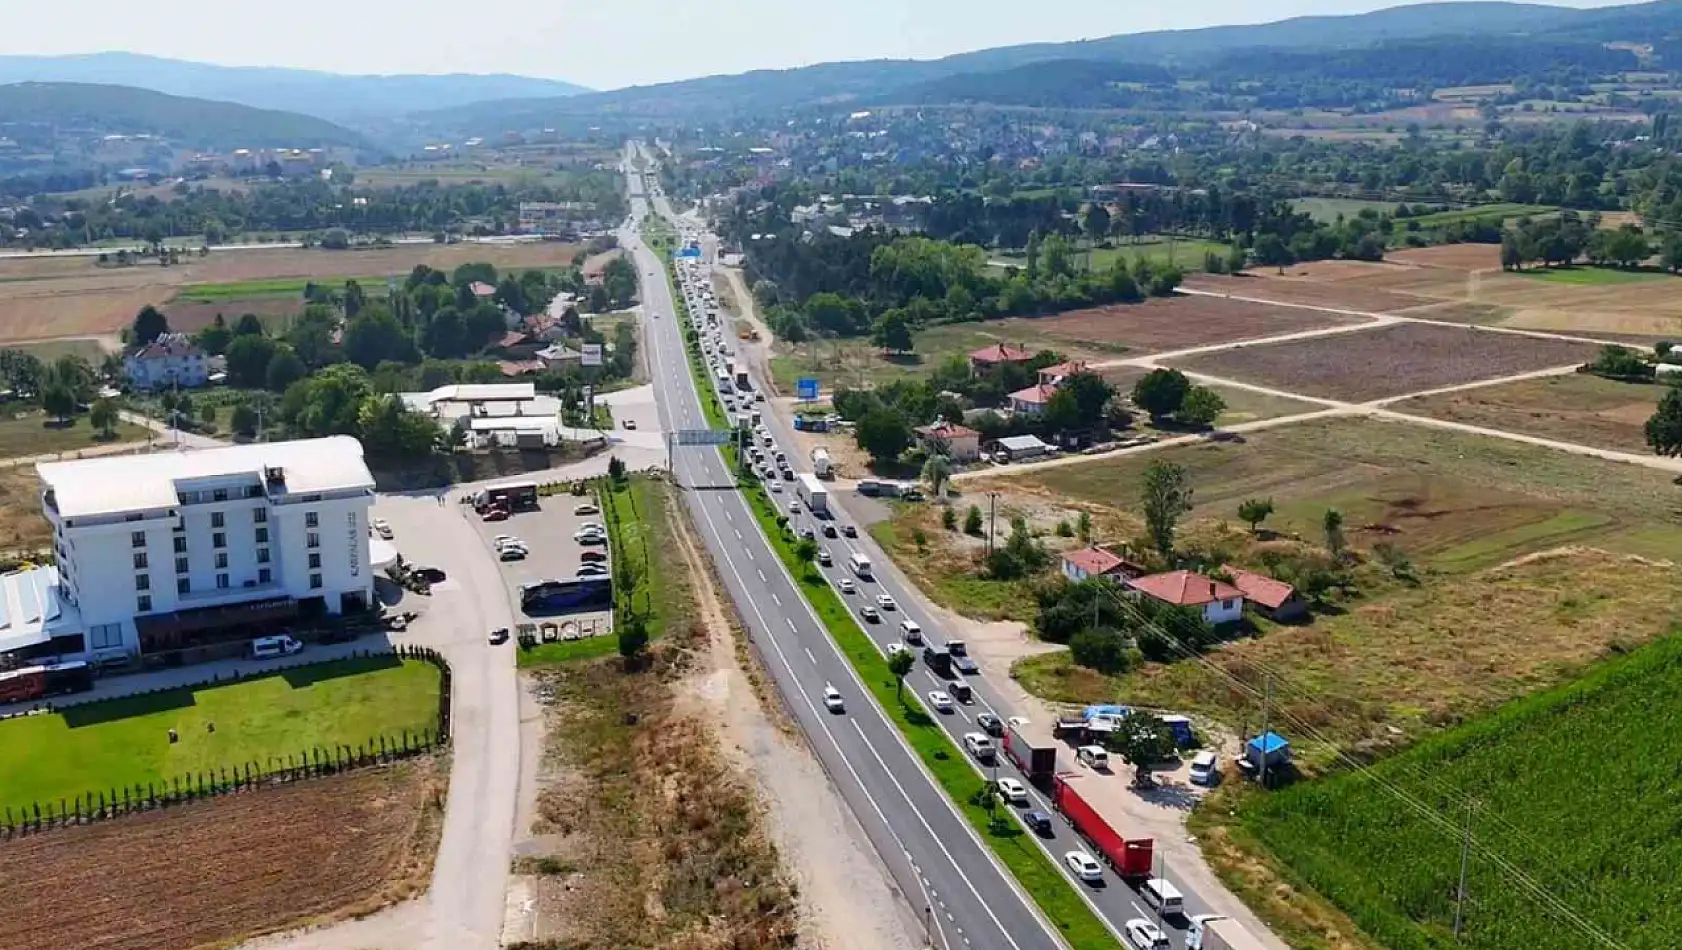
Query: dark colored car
{"type": "Point", "coordinates": [849, 531]}
{"type": "Point", "coordinates": [499, 635]}
{"type": "Point", "coordinates": [829, 530]}
{"type": "Point", "coordinates": [431, 575]}
{"type": "Point", "coordinates": [964, 664]}
{"type": "Point", "coordinates": [1038, 822]}
{"type": "Point", "coordinates": [990, 724]}
{"type": "Point", "coordinates": [590, 557]}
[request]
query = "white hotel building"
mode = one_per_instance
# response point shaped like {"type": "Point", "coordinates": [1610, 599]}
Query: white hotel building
{"type": "Point", "coordinates": [184, 549]}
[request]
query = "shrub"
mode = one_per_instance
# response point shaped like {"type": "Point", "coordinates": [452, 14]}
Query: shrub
{"type": "Point", "coordinates": [949, 519]}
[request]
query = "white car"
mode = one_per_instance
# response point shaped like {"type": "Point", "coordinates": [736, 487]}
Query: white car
{"type": "Point", "coordinates": [1145, 935]}
{"type": "Point", "coordinates": [776, 486]}
{"type": "Point", "coordinates": [593, 526]}
{"type": "Point", "coordinates": [847, 586]}
{"type": "Point", "coordinates": [794, 507]}
{"type": "Point", "coordinates": [832, 699]}
{"type": "Point", "coordinates": [911, 631]}
{"type": "Point", "coordinates": [382, 528]}
{"type": "Point", "coordinates": [1013, 791]}
{"type": "Point", "coordinates": [940, 701]}
{"type": "Point", "coordinates": [979, 745]}
{"type": "Point", "coordinates": [1205, 768]}
{"type": "Point", "coordinates": [824, 558]}
{"type": "Point", "coordinates": [590, 537]}
{"type": "Point", "coordinates": [885, 602]}
{"type": "Point", "coordinates": [1084, 866]}
{"type": "Point", "coordinates": [895, 648]}
{"type": "Point", "coordinates": [587, 508]}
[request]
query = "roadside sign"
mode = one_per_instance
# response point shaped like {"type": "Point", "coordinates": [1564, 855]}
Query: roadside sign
{"type": "Point", "coordinates": [592, 354]}
{"type": "Point", "coordinates": [807, 387]}
{"type": "Point", "coordinates": [705, 436]}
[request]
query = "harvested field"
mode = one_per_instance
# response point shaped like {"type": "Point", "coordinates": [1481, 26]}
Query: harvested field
{"type": "Point", "coordinates": [1578, 408]}
{"type": "Point", "coordinates": [1171, 323]}
{"type": "Point", "coordinates": [1467, 257]}
{"type": "Point", "coordinates": [191, 316]}
{"type": "Point", "coordinates": [1389, 361]}
{"type": "Point", "coordinates": [22, 526]}
{"type": "Point", "coordinates": [1242, 405]}
{"type": "Point", "coordinates": [217, 871]}
{"type": "Point", "coordinates": [1305, 292]}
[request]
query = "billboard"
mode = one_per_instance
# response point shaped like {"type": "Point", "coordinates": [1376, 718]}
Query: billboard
{"type": "Point", "coordinates": [592, 354]}
{"type": "Point", "coordinates": [806, 387]}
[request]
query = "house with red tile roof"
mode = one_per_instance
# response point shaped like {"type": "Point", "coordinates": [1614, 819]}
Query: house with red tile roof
{"type": "Point", "coordinates": [1091, 562]}
{"type": "Point", "coordinates": [1218, 601]}
{"type": "Point", "coordinates": [481, 289]}
{"type": "Point", "coordinates": [1271, 598]}
{"type": "Point", "coordinates": [959, 443]}
{"type": "Point", "coordinates": [984, 359]}
{"type": "Point", "coordinates": [1054, 375]}
{"type": "Point", "coordinates": [1031, 401]}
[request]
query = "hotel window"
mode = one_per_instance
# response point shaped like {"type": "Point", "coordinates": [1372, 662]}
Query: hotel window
{"type": "Point", "coordinates": [137, 539]}
{"type": "Point", "coordinates": [218, 540]}
{"type": "Point", "coordinates": [216, 519]}
{"type": "Point", "coordinates": [140, 560]}
{"type": "Point", "coordinates": [143, 604]}
{"type": "Point", "coordinates": [104, 636]}
{"type": "Point", "coordinates": [315, 582]}
{"type": "Point", "coordinates": [260, 515]}
{"type": "Point", "coordinates": [222, 561]}
{"type": "Point", "coordinates": [220, 494]}
{"type": "Point", "coordinates": [262, 535]}
{"type": "Point", "coordinates": [312, 540]}
{"type": "Point", "coordinates": [180, 545]}
{"type": "Point", "coordinates": [264, 575]}
{"type": "Point", "coordinates": [262, 555]}
{"type": "Point", "coordinates": [221, 582]}
{"type": "Point", "coordinates": [142, 582]}
{"type": "Point", "coordinates": [183, 585]}
{"type": "Point", "coordinates": [180, 565]}
{"type": "Point", "coordinates": [311, 519]}
{"type": "Point", "coordinates": [315, 562]}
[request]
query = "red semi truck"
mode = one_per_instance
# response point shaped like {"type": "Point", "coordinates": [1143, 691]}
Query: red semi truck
{"type": "Point", "coordinates": [1036, 756]}
{"type": "Point", "coordinates": [1131, 858]}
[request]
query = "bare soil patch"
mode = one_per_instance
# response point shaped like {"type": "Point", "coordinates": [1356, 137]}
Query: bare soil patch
{"type": "Point", "coordinates": [238, 866]}
{"type": "Point", "coordinates": [1389, 361]}
{"type": "Point", "coordinates": [1183, 321]}
{"type": "Point", "coordinates": [193, 315]}
{"type": "Point", "coordinates": [1579, 408]}
{"type": "Point", "coordinates": [1295, 290]}
{"type": "Point", "coordinates": [1465, 257]}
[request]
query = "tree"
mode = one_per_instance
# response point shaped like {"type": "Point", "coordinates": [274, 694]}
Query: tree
{"type": "Point", "coordinates": [1143, 740]}
{"type": "Point", "coordinates": [901, 664]}
{"type": "Point", "coordinates": [1097, 222]}
{"type": "Point", "coordinates": [249, 325]}
{"type": "Point", "coordinates": [937, 471]}
{"type": "Point", "coordinates": [806, 550]}
{"type": "Point", "coordinates": [149, 324]}
{"type": "Point", "coordinates": [248, 361]}
{"type": "Point", "coordinates": [1083, 527]}
{"type": "Point", "coordinates": [58, 400]}
{"type": "Point", "coordinates": [1201, 407]}
{"type": "Point", "coordinates": [215, 338]}
{"type": "Point", "coordinates": [284, 369]}
{"type": "Point", "coordinates": [892, 332]}
{"type": "Point", "coordinates": [633, 636]}
{"type": "Point", "coordinates": [1101, 650]}
{"type": "Point", "coordinates": [1332, 525]}
{"type": "Point", "coordinates": [1161, 392]}
{"type": "Point", "coordinates": [243, 420]}
{"type": "Point", "coordinates": [1253, 511]}
{"type": "Point", "coordinates": [1670, 253]}
{"type": "Point", "coordinates": [104, 417]}
{"type": "Point", "coordinates": [949, 518]}
{"type": "Point", "coordinates": [1271, 251]}
{"type": "Point", "coordinates": [883, 433]}
{"type": "Point", "coordinates": [1664, 428]}
{"type": "Point", "coordinates": [207, 414]}
{"type": "Point", "coordinates": [375, 337]}
{"type": "Point", "coordinates": [1165, 498]}
{"type": "Point", "coordinates": [972, 521]}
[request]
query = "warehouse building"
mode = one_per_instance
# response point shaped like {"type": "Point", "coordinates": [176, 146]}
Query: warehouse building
{"type": "Point", "coordinates": [169, 552]}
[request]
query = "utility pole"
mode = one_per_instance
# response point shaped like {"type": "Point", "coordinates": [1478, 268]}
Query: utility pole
{"type": "Point", "coordinates": [1267, 702]}
{"type": "Point", "coordinates": [1465, 865]}
{"type": "Point", "coordinates": [992, 519]}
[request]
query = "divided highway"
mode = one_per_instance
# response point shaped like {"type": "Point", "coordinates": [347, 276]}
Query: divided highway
{"type": "Point", "coordinates": [931, 850]}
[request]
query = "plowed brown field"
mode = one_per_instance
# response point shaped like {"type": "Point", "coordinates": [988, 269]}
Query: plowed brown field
{"type": "Point", "coordinates": [1340, 295]}
{"type": "Point", "coordinates": [225, 869]}
{"type": "Point", "coordinates": [1173, 323]}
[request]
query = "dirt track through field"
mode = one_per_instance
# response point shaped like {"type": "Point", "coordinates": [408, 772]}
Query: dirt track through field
{"type": "Point", "coordinates": [209, 873]}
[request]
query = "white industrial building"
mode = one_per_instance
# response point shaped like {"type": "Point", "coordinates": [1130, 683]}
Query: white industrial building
{"type": "Point", "coordinates": [187, 549]}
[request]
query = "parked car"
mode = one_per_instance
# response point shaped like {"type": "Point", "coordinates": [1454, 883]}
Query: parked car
{"type": "Point", "coordinates": [587, 508]}
{"type": "Point", "coordinates": [1206, 768]}
{"type": "Point", "coordinates": [431, 575]}
{"type": "Point", "coordinates": [592, 557]}
{"type": "Point", "coordinates": [494, 514]}
{"type": "Point", "coordinates": [630, 423]}
{"type": "Point", "coordinates": [592, 570]}
{"type": "Point", "coordinates": [511, 554]}
{"type": "Point", "coordinates": [382, 528]}
{"type": "Point", "coordinates": [499, 635]}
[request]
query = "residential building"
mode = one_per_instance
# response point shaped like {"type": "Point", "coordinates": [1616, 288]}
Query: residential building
{"type": "Point", "coordinates": [558, 356]}
{"type": "Point", "coordinates": [170, 361]}
{"type": "Point", "coordinates": [482, 290]}
{"type": "Point", "coordinates": [1217, 601]}
{"type": "Point", "coordinates": [173, 551]}
{"type": "Point", "coordinates": [957, 442]}
{"type": "Point", "coordinates": [1091, 562]}
{"type": "Point", "coordinates": [1054, 375]}
{"type": "Point", "coordinates": [988, 357]}
{"type": "Point", "coordinates": [1031, 401]}
{"type": "Point", "coordinates": [1271, 598]}
{"type": "Point", "coordinates": [1015, 448]}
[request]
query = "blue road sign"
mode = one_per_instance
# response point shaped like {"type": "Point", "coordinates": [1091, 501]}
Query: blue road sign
{"type": "Point", "coordinates": [807, 387]}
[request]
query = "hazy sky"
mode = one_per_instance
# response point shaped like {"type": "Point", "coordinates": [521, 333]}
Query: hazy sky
{"type": "Point", "coordinates": [606, 43]}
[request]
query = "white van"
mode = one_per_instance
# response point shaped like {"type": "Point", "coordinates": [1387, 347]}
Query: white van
{"type": "Point", "coordinates": [860, 565]}
{"type": "Point", "coordinates": [1164, 897]}
{"type": "Point", "coordinates": [267, 648]}
{"type": "Point", "coordinates": [1093, 756]}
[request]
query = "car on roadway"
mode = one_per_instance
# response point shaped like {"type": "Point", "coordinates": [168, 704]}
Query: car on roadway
{"type": "Point", "coordinates": [895, 649]}
{"type": "Point", "coordinates": [990, 724]}
{"type": "Point", "coordinates": [630, 423]}
{"type": "Point", "coordinates": [1013, 791]}
{"type": "Point", "coordinates": [1084, 866]}
{"type": "Point", "coordinates": [847, 586]}
{"type": "Point", "coordinates": [1038, 822]}
{"type": "Point", "coordinates": [849, 531]}
{"type": "Point", "coordinates": [980, 745]}
{"type": "Point", "coordinates": [794, 507]}
{"type": "Point", "coordinates": [824, 558]}
{"type": "Point", "coordinates": [494, 514]}
{"type": "Point", "coordinates": [940, 701]}
{"type": "Point", "coordinates": [832, 699]}
{"type": "Point", "coordinates": [1142, 934]}
{"type": "Point", "coordinates": [807, 534]}
{"type": "Point", "coordinates": [499, 635]}
{"type": "Point", "coordinates": [885, 602]}
{"type": "Point", "coordinates": [432, 575]}
{"type": "Point", "coordinates": [964, 663]}
{"type": "Point", "coordinates": [586, 508]}
{"type": "Point", "coordinates": [592, 570]}
{"type": "Point", "coordinates": [829, 529]}
{"type": "Point", "coordinates": [869, 613]}
{"type": "Point", "coordinates": [382, 528]}
{"type": "Point", "coordinates": [776, 487]}
{"type": "Point", "coordinates": [911, 631]}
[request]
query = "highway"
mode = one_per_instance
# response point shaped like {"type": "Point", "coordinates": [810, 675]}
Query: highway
{"type": "Point", "coordinates": [1114, 900]}
{"type": "Point", "coordinates": [932, 852]}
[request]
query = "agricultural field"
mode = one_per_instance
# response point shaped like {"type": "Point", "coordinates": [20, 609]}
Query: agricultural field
{"type": "Point", "coordinates": [1388, 361]}
{"type": "Point", "coordinates": [1395, 871]}
{"type": "Point", "coordinates": [1179, 322]}
{"type": "Point", "coordinates": [1464, 257]}
{"type": "Point", "coordinates": [1454, 502]}
{"type": "Point", "coordinates": [1489, 212]}
{"type": "Point", "coordinates": [1295, 287]}
{"type": "Point", "coordinates": [52, 297]}
{"type": "Point", "coordinates": [1588, 410]}
{"type": "Point", "coordinates": [122, 742]}
{"type": "Point", "coordinates": [1585, 276]}
{"type": "Point", "coordinates": [857, 363]}
{"type": "Point", "coordinates": [1242, 405]}
{"type": "Point", "coordinates": [1330, 209]}
{"type": "Point", "coordinates": [32, 434]}
{"type": "Point", "coordinates": [214, 872]}
{"type": "Point", "coordinates": [1188, 253]}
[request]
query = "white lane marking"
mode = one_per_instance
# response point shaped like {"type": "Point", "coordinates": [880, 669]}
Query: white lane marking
{"type": "Point", "coordinates": [777, 600]}
{"type": "Point", "coordinates": [764, 580]}
{"type": "Point", "coordinates": [809, 655]}
{"type": "Point", "coordinates": [738, 533]}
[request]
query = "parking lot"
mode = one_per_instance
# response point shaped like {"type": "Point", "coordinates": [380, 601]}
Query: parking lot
{"type": "Point", "coordinates": [551, 551]}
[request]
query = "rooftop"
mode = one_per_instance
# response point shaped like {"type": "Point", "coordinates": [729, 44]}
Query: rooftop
{"type": "Point", "coordinates": [1023, 443]}
{"type": "Point", "coordinates": [167, 345]}
{"type": "Point", "coordinates": [1259, 588]}
{"type": "Point", "coordinates": [1034, 395]}
{"type": "Point", "coordinates": [30, 609]}
{"type": "Point", "coordinates": [1185, 588]}
{"type": "Point", "coordinates": [947, 430]}
{"type": "Point", "coordinates": [999, 353]}
{"type": "Point", "coordinates": [1093, 560]}
{"type": "Point", "coordinates": [117, 484]}
{"type": "Point", "coordinates": [481, 289]}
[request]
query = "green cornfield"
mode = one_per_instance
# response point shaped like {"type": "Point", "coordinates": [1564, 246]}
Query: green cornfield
{"type": "Point", "coordinates": [1576, 792]}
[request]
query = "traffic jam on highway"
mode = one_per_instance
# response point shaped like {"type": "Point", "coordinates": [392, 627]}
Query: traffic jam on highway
{"type": "Point", "coordinates": [1021, 758]}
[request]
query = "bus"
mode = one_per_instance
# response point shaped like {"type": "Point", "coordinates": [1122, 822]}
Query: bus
{"type": "Point", "coordinates": [514, 496]}
{"type": "Point", "coordinates": [567, 596]}
{"type": "Point", "coordinates": [860, 565]}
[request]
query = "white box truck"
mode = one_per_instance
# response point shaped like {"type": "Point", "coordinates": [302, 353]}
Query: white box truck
{"type": "Point", "coordinates": [813, 493]}
{"type": "Point", "coordinates": [1213, 932]}
{"type": "Point", "coordinates": [821, 464]}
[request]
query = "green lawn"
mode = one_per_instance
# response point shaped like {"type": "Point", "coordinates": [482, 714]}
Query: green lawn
{"type": "Point", "coordinates": [1591, 276]}
{"type": "Point", "coordinates": [274, 287]}
{"type": "Point", "coordinates": [1188, 253]}
{"type": "Point", "coordinates": [36, 434]}
{"type": "Point", "coordinates": [1497, 212]}
{"type": "Point", "coordinates": [125, 742]}
{"type": "Point", "coordinates": [1328, 209]}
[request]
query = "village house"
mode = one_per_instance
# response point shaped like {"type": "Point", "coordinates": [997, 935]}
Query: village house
{"type": "Point", "coordinates": [1055, 375]}
{"type": "Point", "coordinates": [1217, 601]}
{"type": "Point", "coordinates": [989, 357]}
{"type": "Point", "coordinates": [482, 290]}
{"type": "Point", "coordinates": [1273, 599]}
{"type": "Point", "coordinates": [1091, 562]}
{"type": "Point", "coordinates": [957, 442]}
{"type": "Point", "coordinates": [171, 360]}
{"type": "Point", "coordinates": [1031, 401]}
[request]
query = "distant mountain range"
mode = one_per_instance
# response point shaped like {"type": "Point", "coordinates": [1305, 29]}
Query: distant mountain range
{"type": "Point", "coordinates": [1003, 74]}
{"type": "Point", "coordinates": [330, 96]}
{"type": "Point", "coordinates": [195, 123]}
